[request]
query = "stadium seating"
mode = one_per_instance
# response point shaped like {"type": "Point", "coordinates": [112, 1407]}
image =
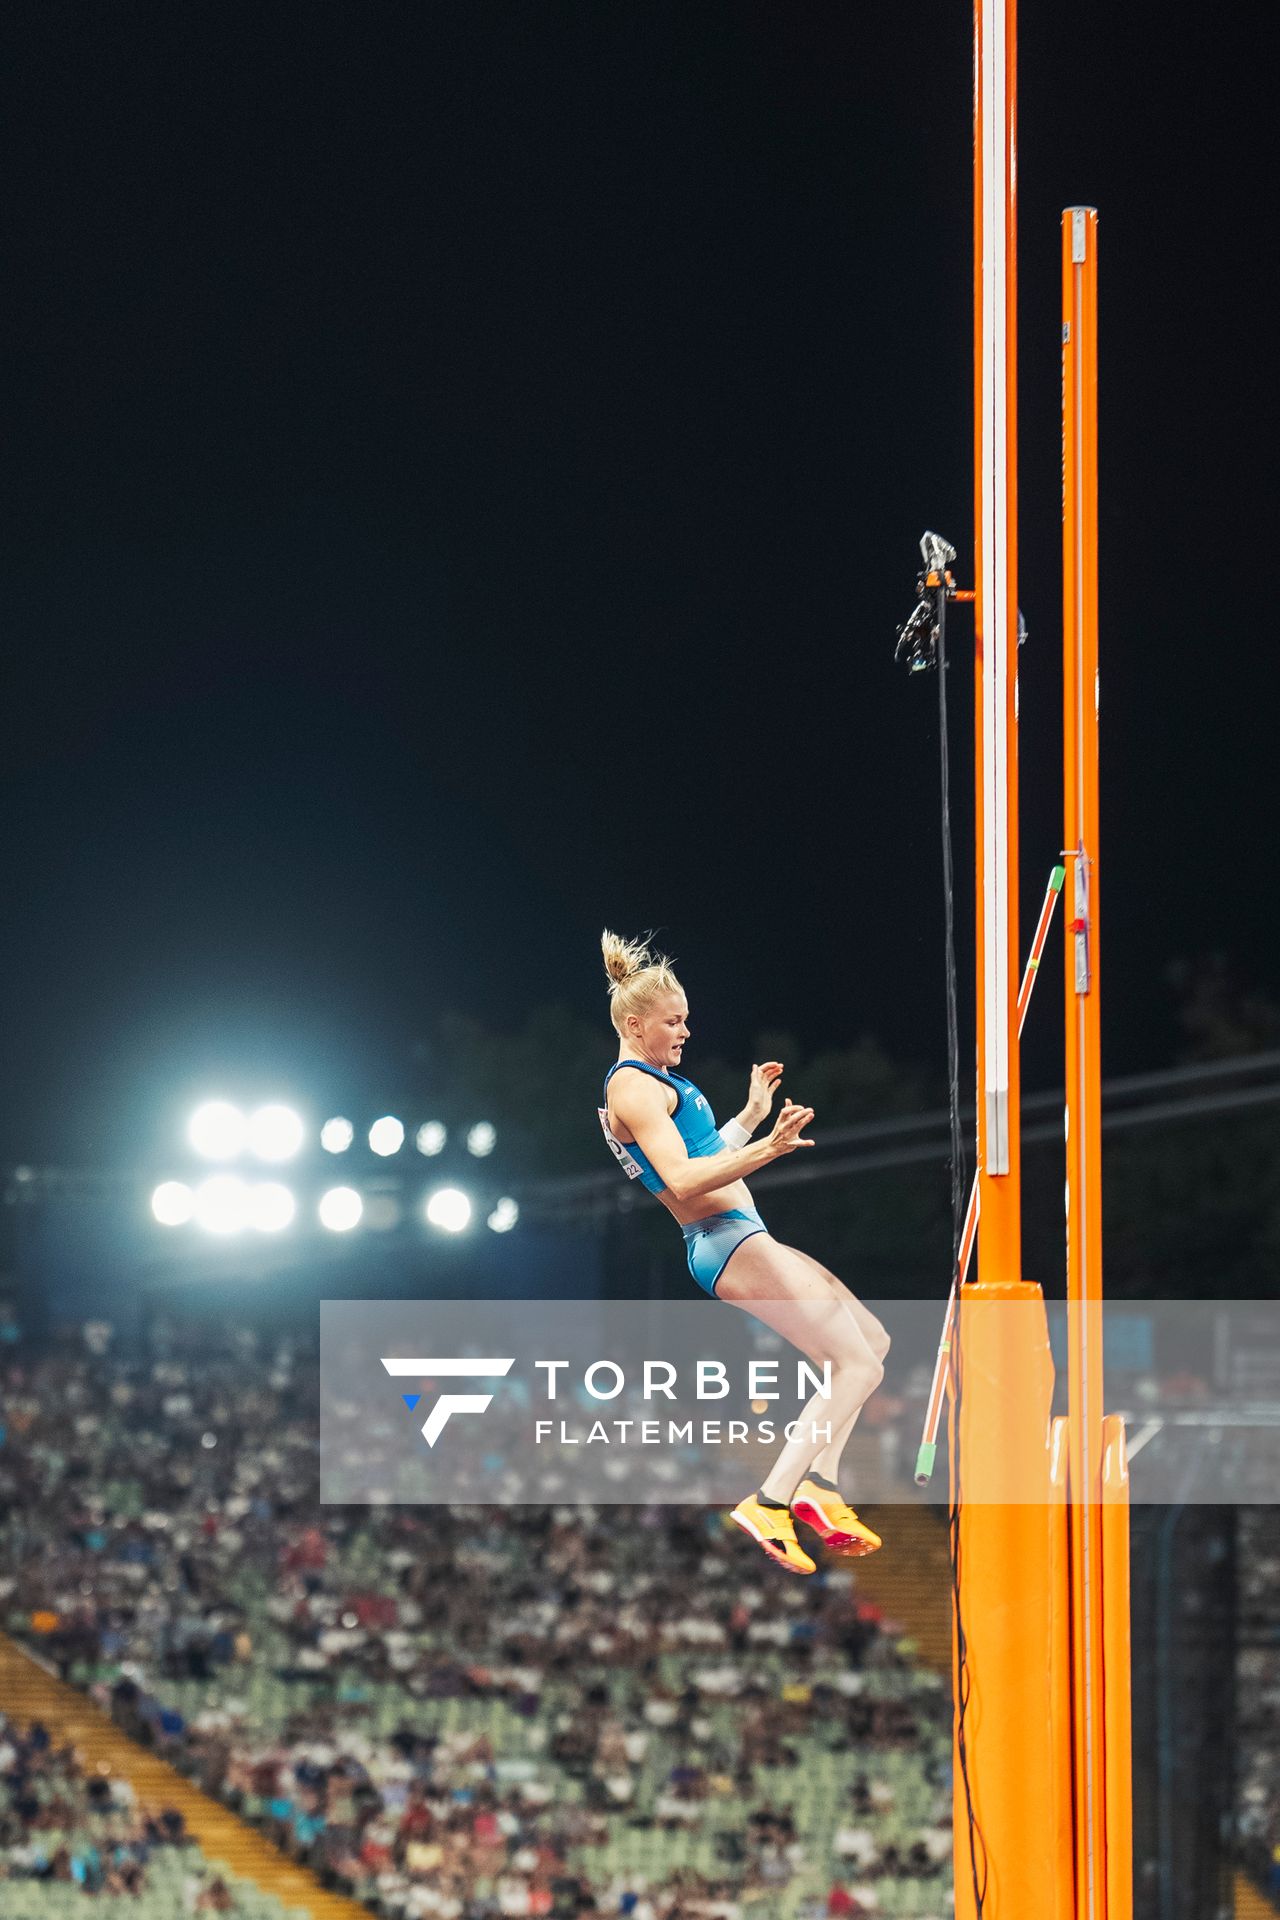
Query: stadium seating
{"type": "Point", "coordinates": [584, 1711]}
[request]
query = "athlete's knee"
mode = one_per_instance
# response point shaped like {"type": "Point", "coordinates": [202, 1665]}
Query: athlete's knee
{"type": "Point", "coordinates": [873, 1365]}
{"type": "Point", "coordinates": [872, 1334]}
{"type": "Point", "coordinates": [857, 1369]}
{"type": "Point", "coordinates": [874, 1371]}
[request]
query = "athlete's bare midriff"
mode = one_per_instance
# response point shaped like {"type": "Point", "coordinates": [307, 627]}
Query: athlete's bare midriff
{"type": "Point", "coordinates": [719, 1200]}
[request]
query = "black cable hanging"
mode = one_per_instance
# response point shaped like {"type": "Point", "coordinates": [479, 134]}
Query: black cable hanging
{"type": "Point", "coordinates": [922, 641]}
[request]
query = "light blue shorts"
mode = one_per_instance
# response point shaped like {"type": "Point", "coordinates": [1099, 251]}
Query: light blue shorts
{"type": "Point", "coordinates": [710, 1243]}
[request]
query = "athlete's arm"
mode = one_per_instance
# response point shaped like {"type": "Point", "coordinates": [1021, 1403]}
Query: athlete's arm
{"type": "Point", "coordinates": [642, 1108]}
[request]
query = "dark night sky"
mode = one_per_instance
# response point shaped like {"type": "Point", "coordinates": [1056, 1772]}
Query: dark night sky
{"type": "Point", "coordinates": [462, 471]}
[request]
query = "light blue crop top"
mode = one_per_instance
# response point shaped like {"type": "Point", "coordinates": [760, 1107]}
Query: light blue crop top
{"type": "Point", "coordinates": [695, 1123]}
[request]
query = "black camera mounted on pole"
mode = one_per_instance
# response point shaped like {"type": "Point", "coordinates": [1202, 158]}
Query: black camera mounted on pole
{"type": "Point", "coordinates": [922, 640]}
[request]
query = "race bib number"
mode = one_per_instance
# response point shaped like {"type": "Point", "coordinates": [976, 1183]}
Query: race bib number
{"type": "Point", "coordinates": [629, 1166]}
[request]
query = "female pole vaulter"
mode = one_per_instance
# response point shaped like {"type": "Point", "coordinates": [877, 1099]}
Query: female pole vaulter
{"type": "Point", "coordinates": [662, 1132]}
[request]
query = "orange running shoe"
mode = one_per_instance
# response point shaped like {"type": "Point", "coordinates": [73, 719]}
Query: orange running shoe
{"type": "Point", "coordinates": [774, 1528]}
{"type": "Point", "coordinates": [833, 1520]}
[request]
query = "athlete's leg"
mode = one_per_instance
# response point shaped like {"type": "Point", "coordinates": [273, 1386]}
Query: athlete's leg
{"type": "Point", "coordinates": [827, 1461]}
{"type": "Point", "coordinates": [876, 1335]}
{"type": "Point", "coordinates": [793, 1297]}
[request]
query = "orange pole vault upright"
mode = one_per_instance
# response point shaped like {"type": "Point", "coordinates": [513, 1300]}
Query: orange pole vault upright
{"type": "Point", "coordinates": [1012, 1775]}
{"type": "Point", "coordinates": [996, 622]}
{"type": "Point", "coordinates": [1099, 1484]}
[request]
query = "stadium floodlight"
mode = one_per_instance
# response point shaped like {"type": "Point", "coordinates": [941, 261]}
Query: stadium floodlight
{"type": "Point", "coordinates": [173, 1203]}
{"type": "Point", "coordinates": [271, 1207]}
{"type": "Point", "coordinates": [337, 1134]}
{"type": "Point", "coordinates": [449, 1208]}
{"type": "Point", "coordinates": [222, 1204]}
{"type": "Point", "coordinates": [386, 1136]}
{"type": "Point", "coordinates": [430, 1137]}
{"type": "Point", "coordinates": [275, 1132]}
{"type": "Point", "coordinates": [504, 1215]}
{"type": "Point", "coordinates": [216, 1130]}
{"type": "Point", "coordinates": [340, 1209]}
{"type": "Point", "coordinates": [482, 1139]}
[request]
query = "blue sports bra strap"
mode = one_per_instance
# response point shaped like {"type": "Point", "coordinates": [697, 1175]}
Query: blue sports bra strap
{"type": "Point", "coordinates": [643, 1066]}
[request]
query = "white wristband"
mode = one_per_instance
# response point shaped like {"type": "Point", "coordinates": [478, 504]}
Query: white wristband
{"type": "Point", "coordinates": [733, 1135]}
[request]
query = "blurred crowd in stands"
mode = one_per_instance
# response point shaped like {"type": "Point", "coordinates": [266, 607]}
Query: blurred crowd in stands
{"type": "Point", "coordinates": [470, 1713]}
{"type": "Point", "coordinates": [63, 1825]}
{"type": "Point", "coordinates": [58, 1823]}
{"type": "Point", "coordinates": [1258, 1694]}
{"type": "Point", "coordinates": [476, 1712]}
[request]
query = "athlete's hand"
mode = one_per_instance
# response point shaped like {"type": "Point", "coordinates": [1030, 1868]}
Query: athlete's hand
{"type": "Point", "coordinates": [791, 1123]}
{"type": "Point", "coordinates": [764, 1084]}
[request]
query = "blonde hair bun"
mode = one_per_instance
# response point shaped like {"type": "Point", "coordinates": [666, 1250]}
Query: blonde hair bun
{"type": "Point", "coordinates": [636, 975]}
{"type": "Point", "coordinates": [622, 957]}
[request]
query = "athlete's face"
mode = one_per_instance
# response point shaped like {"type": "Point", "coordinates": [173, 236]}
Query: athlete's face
{"type": "Point", "coordinates": [664, 1030]}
